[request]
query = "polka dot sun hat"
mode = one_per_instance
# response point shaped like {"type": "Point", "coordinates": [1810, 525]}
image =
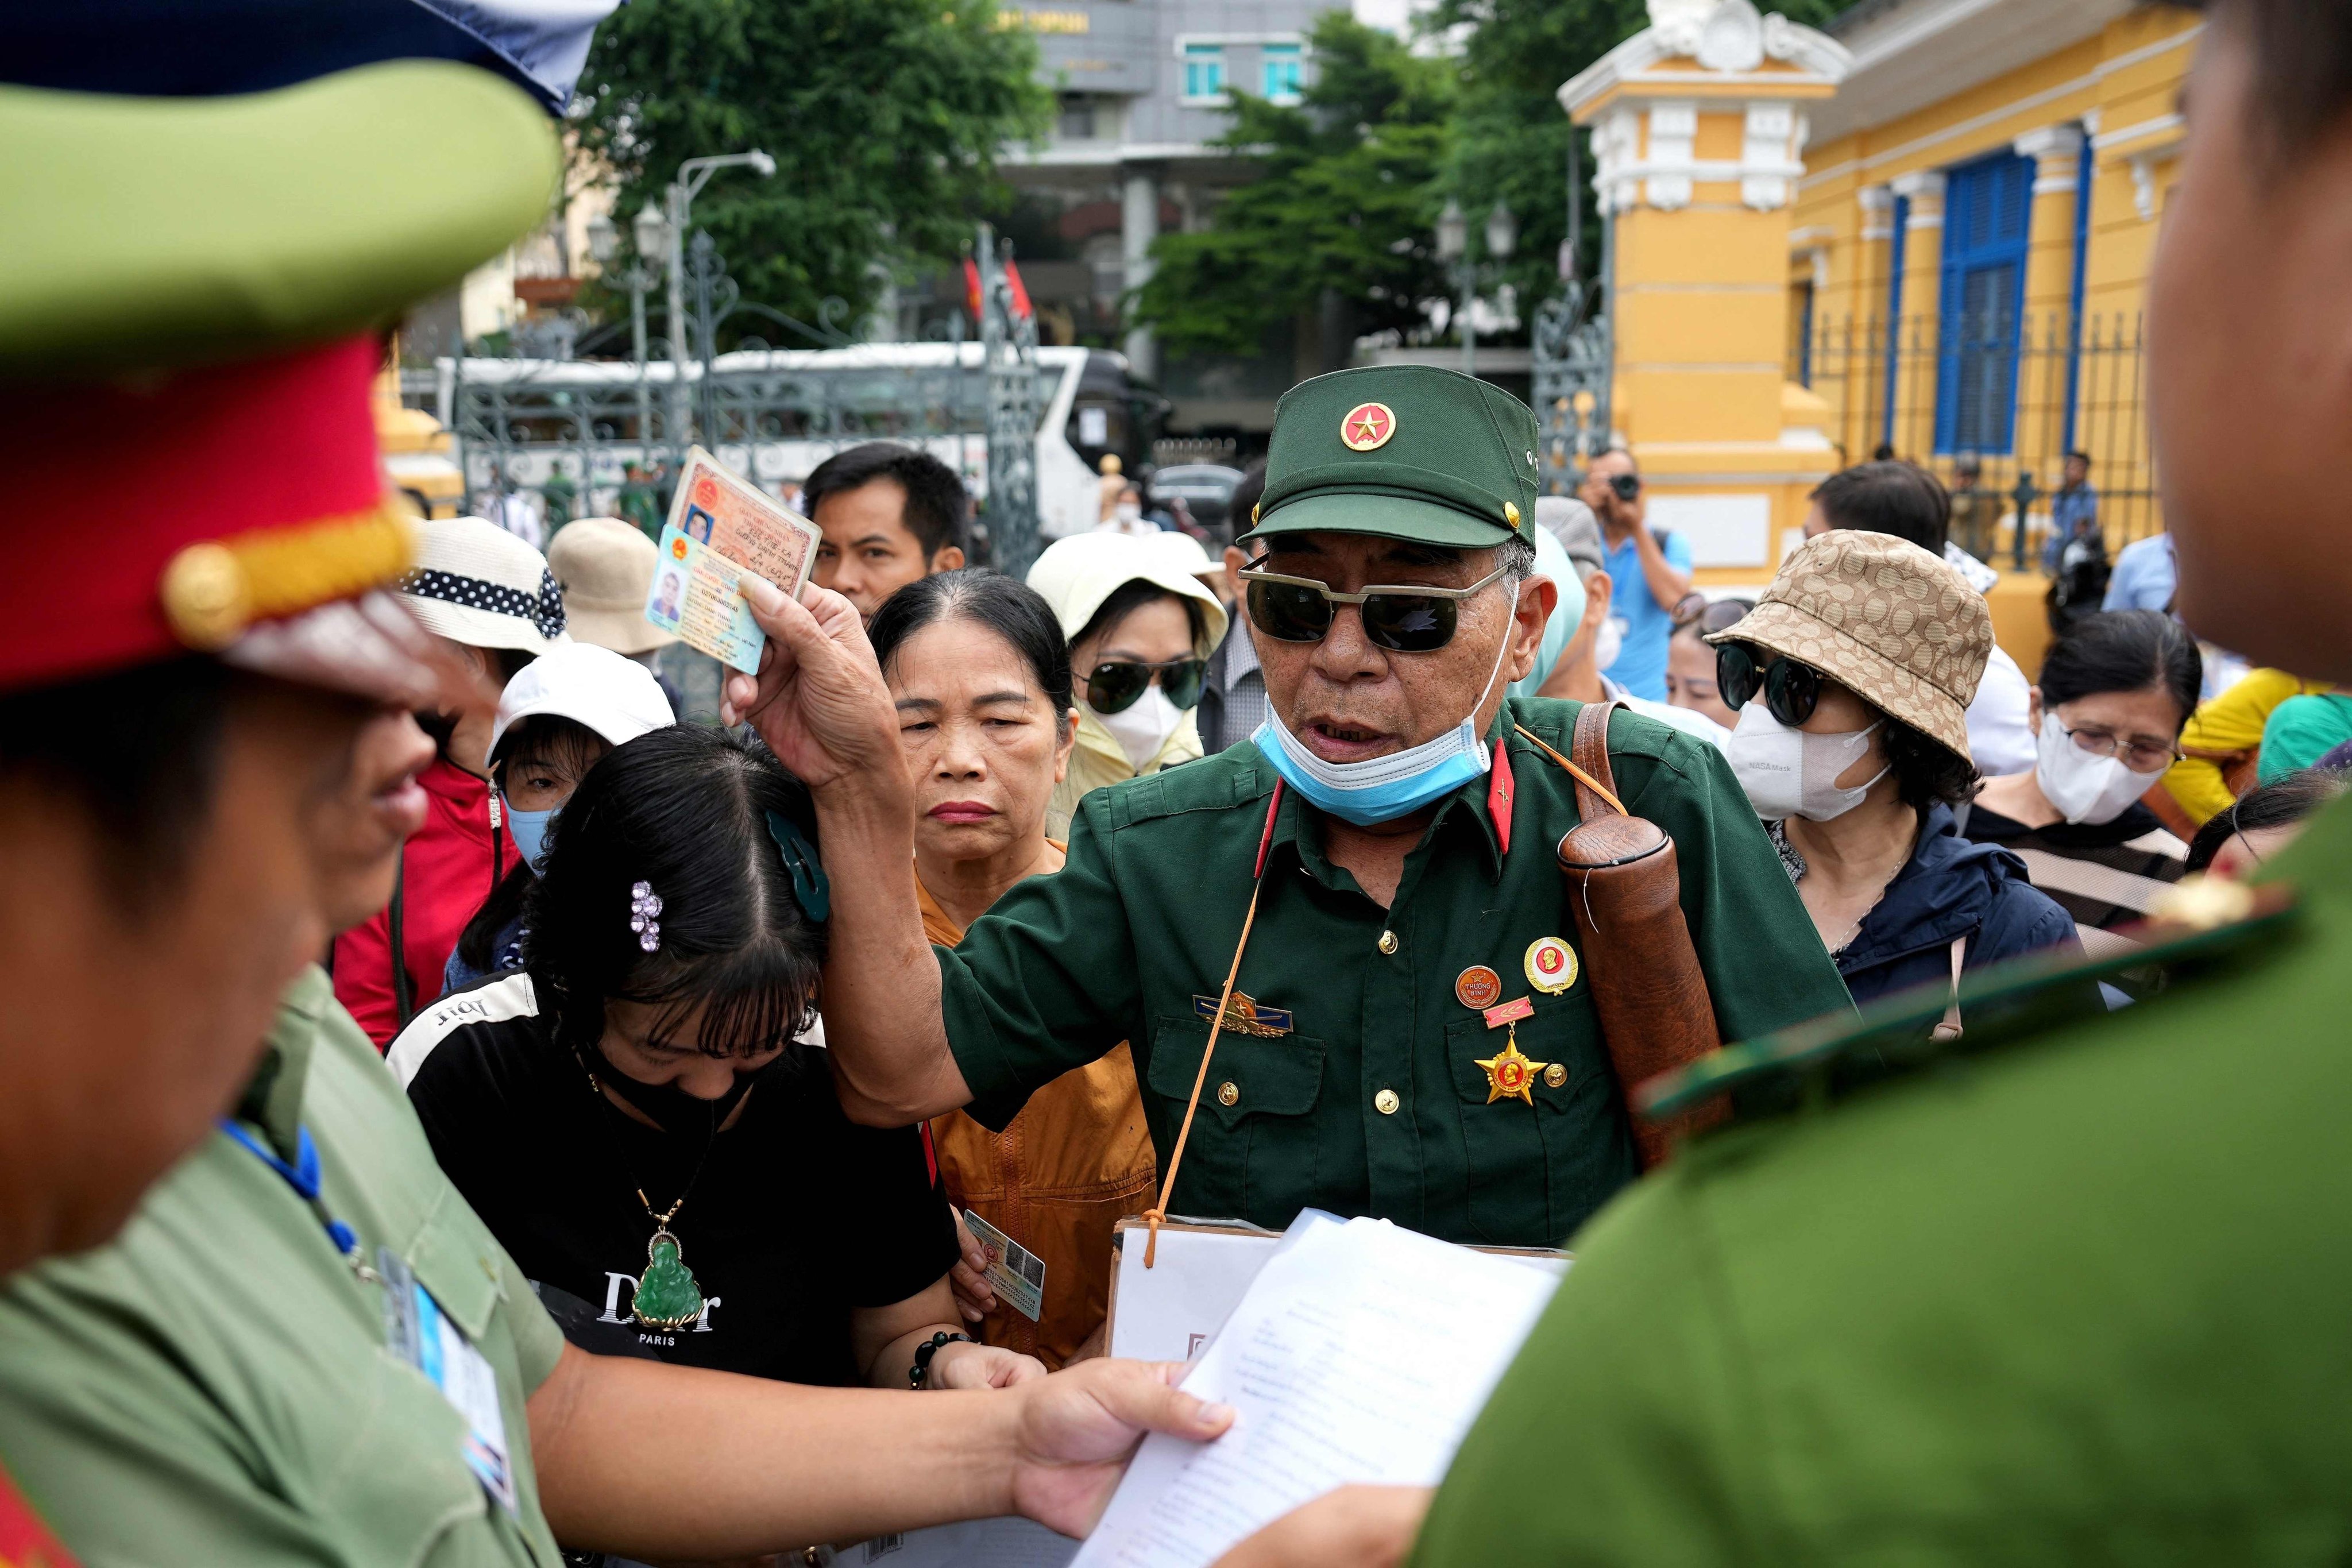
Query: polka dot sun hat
{"type": "Point", "coordinates": [477, 583]}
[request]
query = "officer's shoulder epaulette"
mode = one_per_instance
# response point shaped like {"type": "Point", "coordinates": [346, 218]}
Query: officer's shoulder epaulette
{"type": "Point", "coordinates": [1230, 778]}
{"type": "Point", "coordinates": [2199, 922]}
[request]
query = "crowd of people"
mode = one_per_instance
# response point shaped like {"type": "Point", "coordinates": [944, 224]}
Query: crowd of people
{"type": "Point", "coordinates": [456, 1110]}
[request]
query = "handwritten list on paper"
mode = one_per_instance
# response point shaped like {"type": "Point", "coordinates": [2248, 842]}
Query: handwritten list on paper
{"type": "Point", "coordinates": [1361, 1353]}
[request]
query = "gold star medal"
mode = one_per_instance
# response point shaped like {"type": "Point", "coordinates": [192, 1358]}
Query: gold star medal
{"type": "Point", "coordinates": [1511, 1076]}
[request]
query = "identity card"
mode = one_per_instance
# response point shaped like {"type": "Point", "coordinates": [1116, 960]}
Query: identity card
{"type": "Point", "coordinates": [1016, 1274]}
{"type": "Point", "coordinates": [721, 529]}
{"type": "Point", "coordinates": [419, 1334]}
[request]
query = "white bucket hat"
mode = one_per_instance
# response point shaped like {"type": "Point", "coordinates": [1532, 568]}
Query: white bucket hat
{"type": "Point", "coordinates": [605, 567]}
{"type": "Point", "coordinates": [1077, 574]}
{"type": "Point", "coordinates": [476, 583]}
{"type": "Point", "coordinates": [618, 697]}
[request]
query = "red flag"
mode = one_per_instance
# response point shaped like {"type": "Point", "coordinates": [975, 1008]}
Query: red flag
{"type": "Point", "coordinates": [1013, 285]}
{"type": "Point", "coordinates": [971, 286]}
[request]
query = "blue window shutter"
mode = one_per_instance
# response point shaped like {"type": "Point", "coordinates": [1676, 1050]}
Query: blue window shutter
{"type": "Point", "coordinates": [1988, 217]}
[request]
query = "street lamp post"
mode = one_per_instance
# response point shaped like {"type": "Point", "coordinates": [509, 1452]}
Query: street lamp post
{"type": "Point", "coordinates": [1453, 249]}
{"type": "Point", "coordinates": [652, 242]}
{"type": "Point", "coordinates": [692, 175]}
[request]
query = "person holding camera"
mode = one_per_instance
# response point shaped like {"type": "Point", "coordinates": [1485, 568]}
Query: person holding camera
{"type": "Point", "coordinates": [1652, 571]}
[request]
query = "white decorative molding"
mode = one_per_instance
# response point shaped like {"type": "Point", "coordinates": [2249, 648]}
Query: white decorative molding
{"type": "Point", "coordinates": [2051, 144]}
{"type": "Point", "coordinates": [1774, 134]}
{"type": "Point", "coordinates": [1673, 133]}
{"type": "Point", "coordinates": [1728, 40]}
{"type": "Point", "coordinates": [2143, 173]}
{"type": "Point", "coordinates": [1923, 190]}
{"type": "Point", "coordinates": [1616, 153]}
{"type": "Point", "coordinates": [1878, 204]}
{"type": "Point", "coordinates": [2167, 125]}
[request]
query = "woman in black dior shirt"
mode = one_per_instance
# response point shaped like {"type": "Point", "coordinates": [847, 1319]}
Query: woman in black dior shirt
{"type": "Point", "coordinates": [631, 1114]}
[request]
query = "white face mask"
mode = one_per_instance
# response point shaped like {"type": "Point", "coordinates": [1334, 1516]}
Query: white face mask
{"type": "Point", "coordinates": [1143, 726]}
{"type": "Point", "coordinates": [1128, 512]}
{"type": "Point", "coordinates": [1607, 643]}
{"type": "Point", "coordinates": [2082, 787]}
{"type": "Point", "coordinates": [1794, 773]}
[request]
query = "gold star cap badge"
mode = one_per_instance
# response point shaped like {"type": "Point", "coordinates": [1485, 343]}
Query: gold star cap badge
{"type": "Point", "coordinates": [1510, 1075]}
{"type": "Point", "coordinates": [1368, 427]}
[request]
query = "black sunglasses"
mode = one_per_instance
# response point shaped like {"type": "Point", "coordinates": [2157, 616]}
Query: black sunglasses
{"type": "Point", "coordinates": [1400, 618]}
{"type": "Point", "coordinates": [1116, 685]}
{"type": "Point", "coordinates": [1790, 690]}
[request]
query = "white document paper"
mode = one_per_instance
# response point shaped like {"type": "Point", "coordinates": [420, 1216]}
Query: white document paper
{"type": "Point", "coordinates": [1167, 1312]}
{"type": "Point", "coordinates": [1360, 1353]}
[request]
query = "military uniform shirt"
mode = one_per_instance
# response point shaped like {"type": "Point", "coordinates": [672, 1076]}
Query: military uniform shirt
{"type": "Point", "coordinates": [1372, 1104]}
{"type": "Point", "coordinates": [2077, 1296]}
{"type": "Point", "coordinates": [214, 1386]}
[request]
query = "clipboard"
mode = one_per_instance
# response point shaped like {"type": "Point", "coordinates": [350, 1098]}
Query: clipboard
{"type": "Point", "coordinates": [1205, 1266]}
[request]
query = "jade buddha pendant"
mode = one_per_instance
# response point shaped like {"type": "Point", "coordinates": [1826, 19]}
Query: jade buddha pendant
{"type": "Point", "coordinates": [668, 1297]}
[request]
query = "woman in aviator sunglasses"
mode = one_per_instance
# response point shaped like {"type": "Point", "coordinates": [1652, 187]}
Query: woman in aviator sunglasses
{"type": "Point", "coordinates": [1140, 631]}
{"type": "Point", "coordinates": [1851, 679]}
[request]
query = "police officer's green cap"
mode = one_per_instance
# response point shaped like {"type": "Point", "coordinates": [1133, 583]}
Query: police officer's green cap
{"type": "Point", "coordinates": [155, 232]}
{"type": "Point", "coordinates": [1408, 452]}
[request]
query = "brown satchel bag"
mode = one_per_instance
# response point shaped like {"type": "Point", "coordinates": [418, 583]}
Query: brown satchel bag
{"type": "Point", "coordinates": [1624, 892]}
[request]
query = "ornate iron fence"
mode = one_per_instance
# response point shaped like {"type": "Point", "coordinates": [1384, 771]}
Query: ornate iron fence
{"type": "Point", "coordinates": [1569, 385]}
{"type": "Point", "coordinates": [1992, 404]}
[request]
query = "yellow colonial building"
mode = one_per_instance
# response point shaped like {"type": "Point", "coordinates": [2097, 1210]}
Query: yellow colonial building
{"type": "Point", "coordinates": [1944, 211]}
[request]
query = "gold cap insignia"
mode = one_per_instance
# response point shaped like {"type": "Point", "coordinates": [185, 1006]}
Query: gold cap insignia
{"type": "Point", "coordinates": [1367, 427]}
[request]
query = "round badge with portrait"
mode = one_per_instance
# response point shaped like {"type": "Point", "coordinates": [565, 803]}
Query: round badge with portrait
{"type": "Point", "coordinates": [1550, 965]}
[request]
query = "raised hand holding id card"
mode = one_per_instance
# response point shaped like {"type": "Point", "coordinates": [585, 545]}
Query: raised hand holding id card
{"type": "Point", "coordinates": [722, 530]}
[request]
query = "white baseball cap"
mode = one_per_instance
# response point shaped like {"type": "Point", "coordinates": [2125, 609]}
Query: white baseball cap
{"type": "Point", "coordinates": [616, 697]}
{"type": "Point", "coordinates": [476, 583]}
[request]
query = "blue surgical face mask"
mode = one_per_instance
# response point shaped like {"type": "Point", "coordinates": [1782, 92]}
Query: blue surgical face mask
{"type": "Point", "coordinates": [1385, 788]}
{"type": "Point", "coordinates": [529, 831]}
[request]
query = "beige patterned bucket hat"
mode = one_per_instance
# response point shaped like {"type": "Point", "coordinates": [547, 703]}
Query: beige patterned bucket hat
{"type": "Point", "coordinates": [1889, 621]}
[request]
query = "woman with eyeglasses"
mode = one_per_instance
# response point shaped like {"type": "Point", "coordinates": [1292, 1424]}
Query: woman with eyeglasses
{"type": "Point", "coordinates": [2114, 691]}
{"type": "Point", "coordinates": [1140, 631]}
{"type": "Point", "coordinates": [1851, 679]}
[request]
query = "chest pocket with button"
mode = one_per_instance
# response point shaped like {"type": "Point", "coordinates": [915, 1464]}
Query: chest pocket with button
{"type": "Point", "coordinates": [1536, 1170]}
{"type": "Point", "coordinates": [1252, 1153]}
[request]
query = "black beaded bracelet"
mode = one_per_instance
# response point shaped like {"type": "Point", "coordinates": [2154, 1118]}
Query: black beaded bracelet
{"type": "Point", "coordinates": [926, 1350]}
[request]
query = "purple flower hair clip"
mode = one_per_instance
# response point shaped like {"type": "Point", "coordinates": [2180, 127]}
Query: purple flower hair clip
{"type": "Point", "coordinates": [643, 905]}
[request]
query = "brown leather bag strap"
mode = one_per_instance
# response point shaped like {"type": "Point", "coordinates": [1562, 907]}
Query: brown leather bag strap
{"type": "Point", "coordinates": [1590, 752]}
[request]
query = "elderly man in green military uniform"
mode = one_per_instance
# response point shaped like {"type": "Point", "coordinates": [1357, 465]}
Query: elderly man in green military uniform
{"type": "Point", "coordinates": [304, 1347]}
{"type": "Point", "coordinates": [2081, 1294]}
{"type": "Point", "coordinates": [1408, 1035]}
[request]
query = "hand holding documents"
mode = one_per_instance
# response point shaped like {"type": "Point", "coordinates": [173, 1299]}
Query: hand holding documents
{"type": "Point", "coordinates": [1360, 1352]}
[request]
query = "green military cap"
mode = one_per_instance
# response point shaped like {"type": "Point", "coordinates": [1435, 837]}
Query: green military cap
{"type": "Point", "coordinates": [1404, 451]}
{"type": "Point", "coordinates": [152, 232]}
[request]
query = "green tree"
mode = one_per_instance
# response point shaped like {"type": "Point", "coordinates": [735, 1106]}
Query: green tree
{"type": "Point", "coordinates": [885, 117]}
{"type": "Point", "coordinates": [1345, 199]}
{"type": "Point", "coordinates": [1511, 135]}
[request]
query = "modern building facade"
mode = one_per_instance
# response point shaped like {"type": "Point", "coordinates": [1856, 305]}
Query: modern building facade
{"type": "Point", "coordinates": [1141, 88]}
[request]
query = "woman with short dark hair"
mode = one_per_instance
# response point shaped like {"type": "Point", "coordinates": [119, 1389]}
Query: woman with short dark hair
{"type": "Point", "coordinates": [2114, 690]}
{"type": "Point", "coordinates": [982, 679]}
{"type": "Point", "coordinates": [631, 1114]}
{"type": "Point", "coordinates": [1851, 679]}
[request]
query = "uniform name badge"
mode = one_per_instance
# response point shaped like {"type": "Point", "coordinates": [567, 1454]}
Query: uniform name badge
{"type": "Point", "coordinates": [418, 1332]}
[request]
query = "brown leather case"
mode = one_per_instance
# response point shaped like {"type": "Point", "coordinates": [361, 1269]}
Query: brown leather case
{"type": "Point", "coordinates": [1624, 892]}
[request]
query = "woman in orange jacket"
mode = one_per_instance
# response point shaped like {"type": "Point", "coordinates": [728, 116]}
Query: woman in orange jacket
{"type": "Point", "coordinates": [981, 677]}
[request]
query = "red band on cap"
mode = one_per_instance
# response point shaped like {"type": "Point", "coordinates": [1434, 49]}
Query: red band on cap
{"type": "Point", "coordinates": [109, 482]}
